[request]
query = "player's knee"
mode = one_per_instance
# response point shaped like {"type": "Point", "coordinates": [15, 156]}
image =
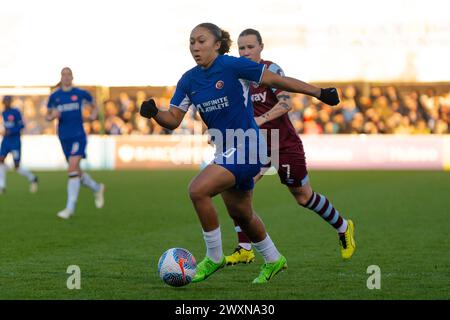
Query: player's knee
{"type": "Point", "coordinates": [302, 197]}
{"type": "Point", "coordinates": [196, 192]}
{"type": "Point", "coordinates": [74, 169]}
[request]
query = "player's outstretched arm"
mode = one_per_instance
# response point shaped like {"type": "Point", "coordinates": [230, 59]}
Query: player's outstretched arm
{"type": "Point", "coordinates": [282, 107]}
{"type": "Point", "coordinates": [169, 119]}
{"type": "Point", "coordinates": [326, 95]}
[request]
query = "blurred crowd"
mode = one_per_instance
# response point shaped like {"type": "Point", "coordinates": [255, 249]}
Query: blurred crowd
{"type": "Point", "coordinates": [390, 109]}
{"type": "Point", "coordinates": [382, 110]}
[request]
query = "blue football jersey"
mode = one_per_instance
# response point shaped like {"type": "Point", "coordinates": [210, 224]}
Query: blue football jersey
{"type": "Point", "coordinates": [70, 105]}
{"type": "Point", "coordinates": [220, 93]}
{"type": "Point", "coordinates": [12, 121]}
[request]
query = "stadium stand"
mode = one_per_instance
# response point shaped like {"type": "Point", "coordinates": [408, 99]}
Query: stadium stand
{"type": "Point", "coordinates": [364, 109]}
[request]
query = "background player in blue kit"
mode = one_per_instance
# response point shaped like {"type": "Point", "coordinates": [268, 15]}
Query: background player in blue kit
{"type": "Point", "coordinates": [13, 124]}
{"type": "Point", "coordinates": [219, 88]}
{"type": "Point", "coordinates": [65, 104]}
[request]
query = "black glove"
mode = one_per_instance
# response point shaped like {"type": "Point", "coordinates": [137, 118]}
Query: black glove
{"type": "Point", "coordinates": [148, 109]}
{"type": "Point", "coordinates": [329, 96]}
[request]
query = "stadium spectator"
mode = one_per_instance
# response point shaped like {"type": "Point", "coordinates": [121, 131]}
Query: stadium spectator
{"type": "Point", "coordinates": [114, 124]}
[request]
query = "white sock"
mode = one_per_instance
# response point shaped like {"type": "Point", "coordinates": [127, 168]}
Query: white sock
{"type": "Point", "coordinates": [245, 245]}
{"type": "Point", "coordinates": [73, 187]}
{"type": "Point", "coordinates": [2, 176]}
{"type": "Point", "coordinates": [343, 226]}
{"type": "Point", "coordinates": [213, 241]}
{"type": "Point", "coordinates": [27, 174]}
{"type": "Point", "coordinates": [267, 249]}
{"type": "Point", "coordinates": [87, 181]}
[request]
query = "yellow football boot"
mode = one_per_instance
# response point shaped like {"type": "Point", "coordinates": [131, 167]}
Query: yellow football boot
{"type": "Point", "coordinates": [347, 241]}
{"type": "Point", "coordinates": [240, 255]}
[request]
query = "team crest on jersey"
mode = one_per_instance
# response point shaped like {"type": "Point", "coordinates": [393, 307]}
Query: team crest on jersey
{"type": "Point", "coordinates": [74, 98]}
{"type": "Point", "coordinates": [10, 117]}
{"type": "Point", "coordinates": [219, 84]}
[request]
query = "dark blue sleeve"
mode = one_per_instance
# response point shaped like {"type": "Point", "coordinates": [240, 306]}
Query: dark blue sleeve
{"type": "Point", "coordinates": [87, 96]}
{"type": "Point", "coordinates": [245, 68]}
{"type": "Point", "coordinates": [51, 102]}
{"type": "Point", "coordinates": [180, 98]}
{"type": "Point", "coordinates": [20, 121]}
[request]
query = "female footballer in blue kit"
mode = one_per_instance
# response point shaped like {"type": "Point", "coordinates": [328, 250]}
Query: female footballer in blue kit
{"type": "Point", "coordinates": [219, 88]}
{"type": "Point", "coordinates": [11, 143]}
{"type": "Point", "coordinates": [65, 104]}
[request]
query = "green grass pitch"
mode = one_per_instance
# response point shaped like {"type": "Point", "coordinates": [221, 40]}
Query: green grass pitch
{"type": "Point", "coordinates": [402, 225]}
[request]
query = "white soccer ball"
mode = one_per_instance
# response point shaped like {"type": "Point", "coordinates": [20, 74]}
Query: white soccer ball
{"type": "Point", "coordinates": [176, 267]}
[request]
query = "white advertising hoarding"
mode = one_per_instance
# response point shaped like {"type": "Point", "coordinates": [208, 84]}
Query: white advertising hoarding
{"type": "Point", "coordinates": [346, 152]}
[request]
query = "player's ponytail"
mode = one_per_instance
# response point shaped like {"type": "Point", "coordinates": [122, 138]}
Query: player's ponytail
{"type": "Point", "coordinates": [220, 35]}
{"type": "Point", "coordinates": [225, 42]}
{"type": "Point", "coordinates": [56, 86]}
